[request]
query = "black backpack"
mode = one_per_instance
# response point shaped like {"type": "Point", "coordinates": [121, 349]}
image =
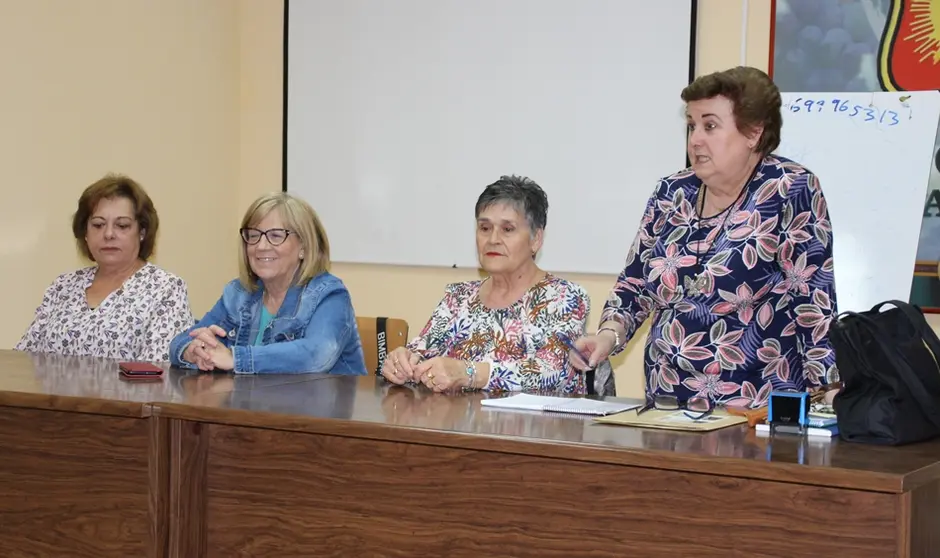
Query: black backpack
{"type": "Point", "coordinates": [891, 377]}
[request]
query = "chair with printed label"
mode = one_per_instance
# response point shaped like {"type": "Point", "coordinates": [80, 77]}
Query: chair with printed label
{"type": "Point", "coordinates": [380, 336]}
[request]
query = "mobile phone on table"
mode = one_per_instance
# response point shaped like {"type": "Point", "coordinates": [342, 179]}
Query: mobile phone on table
{"type": "Point", "coordinates": [140, 371]}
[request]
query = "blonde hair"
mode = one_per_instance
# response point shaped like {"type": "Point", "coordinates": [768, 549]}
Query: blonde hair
{"type": "Point", "coordinates": [301, 220]}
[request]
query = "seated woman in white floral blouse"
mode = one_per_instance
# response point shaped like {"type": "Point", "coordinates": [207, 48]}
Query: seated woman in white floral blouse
{"type": "Point", "coordinates": [123, 307]}
{"type": "Point", "coordinates": [506, 332]}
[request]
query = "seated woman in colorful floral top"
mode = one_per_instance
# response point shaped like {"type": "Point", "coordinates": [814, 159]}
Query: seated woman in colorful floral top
{"type": "Point", "coordinates": [732, 262]}
{"type": "Point", "coordinates": [122, 307]}
{"type": "Point", "coordinates": [286, 312]}
{"type": "Point", "coordinates": [503, 332]}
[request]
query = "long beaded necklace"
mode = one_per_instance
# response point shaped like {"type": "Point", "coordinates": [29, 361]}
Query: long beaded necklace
{"type": "Point", "coordinates": [695, 285]}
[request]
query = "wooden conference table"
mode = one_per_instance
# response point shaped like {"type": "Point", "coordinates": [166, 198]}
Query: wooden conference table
{"type": "Point", "coordinates": [315, 465]}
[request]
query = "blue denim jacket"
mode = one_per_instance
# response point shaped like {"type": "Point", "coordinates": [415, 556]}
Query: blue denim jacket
{"type": "Point", "coordinates": [313, 331]}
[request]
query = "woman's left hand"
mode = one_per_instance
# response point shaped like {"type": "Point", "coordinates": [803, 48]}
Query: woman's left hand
{"type": "Point", "coordinates": [222, 357]}
{"type": "Point", "coordinates": [442, 373]}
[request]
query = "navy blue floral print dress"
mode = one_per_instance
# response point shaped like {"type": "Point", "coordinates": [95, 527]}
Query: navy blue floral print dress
{"type": "Point", "coordinates": [741, 302]}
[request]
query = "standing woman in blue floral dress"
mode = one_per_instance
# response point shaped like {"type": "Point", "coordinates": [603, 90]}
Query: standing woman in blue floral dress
{"type": "Point", "coordinates": [732, 262]}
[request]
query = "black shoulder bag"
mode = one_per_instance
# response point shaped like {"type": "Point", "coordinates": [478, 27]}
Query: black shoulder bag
{"type": "Point", "coordinates": [888, 364]}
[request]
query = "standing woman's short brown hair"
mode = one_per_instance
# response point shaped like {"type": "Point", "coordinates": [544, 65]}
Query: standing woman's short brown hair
{"type": "Point", "coordinates": [117, 186]}
{"type": "Point", "coordinates": [754, 96]}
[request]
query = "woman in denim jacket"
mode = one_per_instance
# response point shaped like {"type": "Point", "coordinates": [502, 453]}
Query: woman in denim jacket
{"type": "Point", "coordinates": [286, 312]}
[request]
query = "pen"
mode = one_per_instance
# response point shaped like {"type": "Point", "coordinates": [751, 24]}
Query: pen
{"type": "Point", "coordinates": [564, 339]}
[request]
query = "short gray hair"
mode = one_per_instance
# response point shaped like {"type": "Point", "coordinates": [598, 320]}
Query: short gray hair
{"type": "Point", "coordinates": [519, 192]}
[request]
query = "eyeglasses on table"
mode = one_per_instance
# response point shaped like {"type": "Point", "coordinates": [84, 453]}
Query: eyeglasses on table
{"type": "Point", "coordinates": [695, 407]}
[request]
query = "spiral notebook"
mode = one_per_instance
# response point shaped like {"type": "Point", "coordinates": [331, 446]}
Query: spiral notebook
{"type": "Point", "coordinates": [574, 405]}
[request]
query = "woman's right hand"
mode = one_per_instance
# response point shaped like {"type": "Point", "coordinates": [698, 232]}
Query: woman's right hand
{"type": "Point", "coordinates": [598, 347]}
{"type": "Point", "coordinates": [199, 350]}
{"type": "Point", "coordinates": [399, 366]}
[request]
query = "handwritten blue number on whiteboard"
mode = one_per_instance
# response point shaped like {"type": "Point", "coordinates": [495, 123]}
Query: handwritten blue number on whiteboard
{"type": "Point", "coordinates": [842, 105]}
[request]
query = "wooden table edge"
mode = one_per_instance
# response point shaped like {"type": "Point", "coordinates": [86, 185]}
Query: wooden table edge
{"type": "Point", "coordinates": [75, 404]}
{"type": "Point", "coordinates": [587, 452]}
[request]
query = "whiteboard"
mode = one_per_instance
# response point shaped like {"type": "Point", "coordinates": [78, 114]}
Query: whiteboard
{"type": "Point", "coordinates": [400, 113]}
{"type": "Point", "coordinates": [872, 153]}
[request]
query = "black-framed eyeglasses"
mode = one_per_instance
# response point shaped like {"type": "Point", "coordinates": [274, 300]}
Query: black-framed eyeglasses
{"type": "Point", "coordinates": [275, 237]}
{"type": "Point", "coordinates": [695, 407]}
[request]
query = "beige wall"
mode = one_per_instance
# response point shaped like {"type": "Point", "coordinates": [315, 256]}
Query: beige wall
{"type": "Point", "coordinates": [187, 97]}
{"type": "Point", "coordinates": [147, 88]}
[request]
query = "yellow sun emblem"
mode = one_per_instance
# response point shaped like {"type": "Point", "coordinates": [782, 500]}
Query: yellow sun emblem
{"type": "Point", "coordinates": [925, 29]}
{"type": "Point", "coordinates": [909, 56]}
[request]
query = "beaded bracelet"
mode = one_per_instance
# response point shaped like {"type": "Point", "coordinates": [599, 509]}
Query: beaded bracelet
{"type": "Point", "coordinates": [614, 331]}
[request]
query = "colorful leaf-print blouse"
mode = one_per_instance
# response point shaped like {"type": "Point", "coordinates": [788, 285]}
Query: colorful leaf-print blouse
{"type": "Point", "coordinates": [135, 322]}
{"type": "Point", "coordinates": [520, 343]}
{"type": "Point", "coordinates": [740, 303]}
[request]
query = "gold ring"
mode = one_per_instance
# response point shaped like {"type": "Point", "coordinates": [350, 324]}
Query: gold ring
{"type": "Point", "coordinates": [431, 376]}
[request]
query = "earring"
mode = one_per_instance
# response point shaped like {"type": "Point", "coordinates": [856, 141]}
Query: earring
{"type": "Point", "coordinates": [301, 255]}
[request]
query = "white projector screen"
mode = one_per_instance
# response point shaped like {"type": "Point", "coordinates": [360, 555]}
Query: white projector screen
{"type": "Point", "coordinates": [398, 114]}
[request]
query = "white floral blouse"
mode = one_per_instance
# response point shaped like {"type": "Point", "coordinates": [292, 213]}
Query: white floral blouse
{"type": "Point", "coordinates": [135, 322]}
{"type": "Point", "coordinates": [521, 342]}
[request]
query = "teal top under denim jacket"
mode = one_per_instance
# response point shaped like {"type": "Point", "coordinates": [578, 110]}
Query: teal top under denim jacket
{"type": "Point", "coordinates": [314, 330]}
